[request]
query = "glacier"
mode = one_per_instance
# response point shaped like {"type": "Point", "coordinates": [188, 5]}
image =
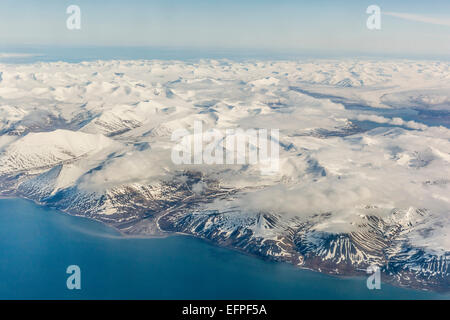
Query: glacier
{"type": "Point", "coordinates": [364, 173]}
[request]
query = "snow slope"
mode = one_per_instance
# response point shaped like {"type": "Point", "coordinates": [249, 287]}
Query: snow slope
{"type": "Point", "coordinates": [364, 173]}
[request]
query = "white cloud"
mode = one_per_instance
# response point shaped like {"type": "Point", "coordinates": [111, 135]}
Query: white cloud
{"type": "Point", "coordinates": [18, 55]}
{"type": "Point", "coordinates": [420, 18]}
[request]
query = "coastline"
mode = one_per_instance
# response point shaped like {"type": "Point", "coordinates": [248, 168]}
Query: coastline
{"type": "Point", "coordinates": [121, 235]}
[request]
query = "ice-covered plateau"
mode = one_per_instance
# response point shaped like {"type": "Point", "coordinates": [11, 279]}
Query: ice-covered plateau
{"type": "Point", "coordinates": [364, 175]}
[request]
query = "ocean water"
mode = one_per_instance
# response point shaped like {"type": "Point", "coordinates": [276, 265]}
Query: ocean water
{"type": "Point", "coordinates": [80, 54]}
{"type": "Point", "coordinates": [37, 244]}
{"type": "Point", "coordinates": [75, 54]}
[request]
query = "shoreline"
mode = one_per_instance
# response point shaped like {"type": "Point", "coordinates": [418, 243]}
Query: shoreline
{"type": "Point", "coordinates": [125, 236]}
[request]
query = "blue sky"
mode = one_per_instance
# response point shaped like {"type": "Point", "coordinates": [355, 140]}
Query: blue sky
{"type": "Point", "coordinates": [414, 27]}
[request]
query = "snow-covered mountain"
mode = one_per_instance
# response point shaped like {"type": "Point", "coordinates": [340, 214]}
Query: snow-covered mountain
{"type": "Point", "coordinates": [364, 152]}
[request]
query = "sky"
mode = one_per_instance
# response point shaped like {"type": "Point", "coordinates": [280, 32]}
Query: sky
{"type": "Point", "coordinates": [321, 26]}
